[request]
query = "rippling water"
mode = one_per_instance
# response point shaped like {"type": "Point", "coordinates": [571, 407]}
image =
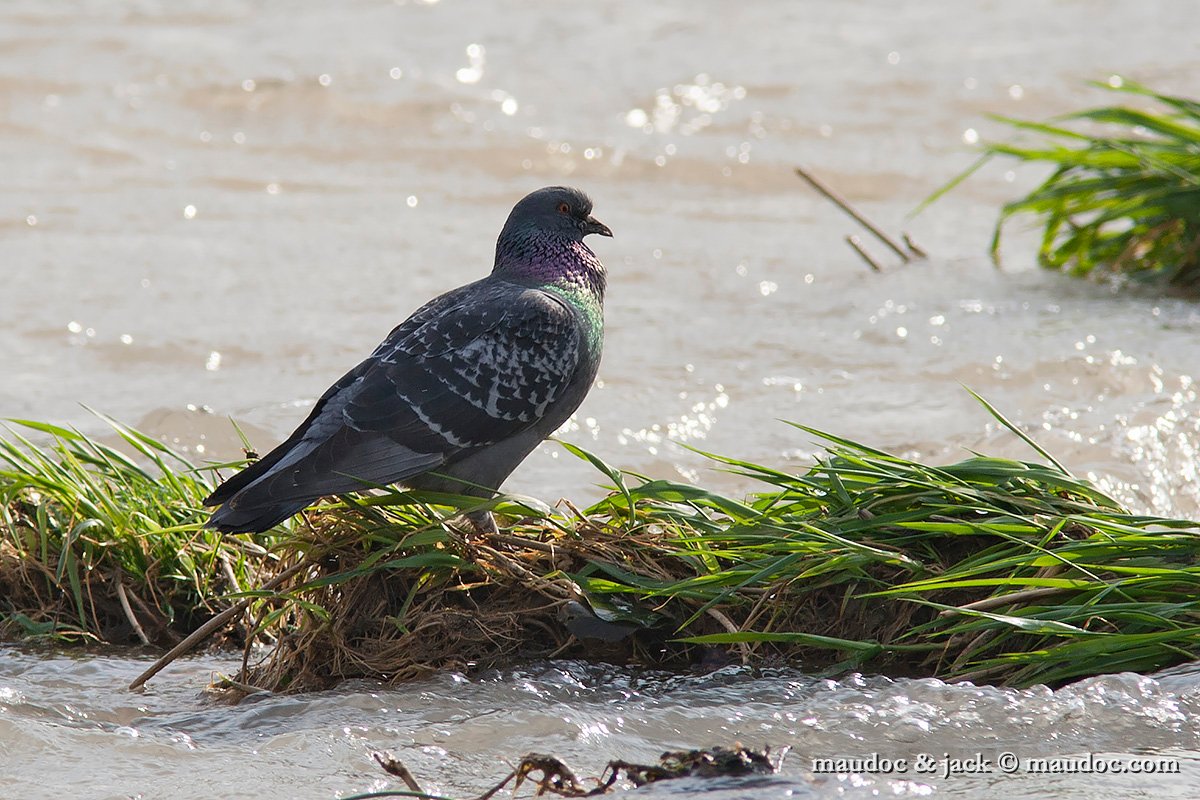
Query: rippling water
{"type": "Point", "coordinates": [459, 736]}
{"type": "Point", "coordinates": [214, 209]}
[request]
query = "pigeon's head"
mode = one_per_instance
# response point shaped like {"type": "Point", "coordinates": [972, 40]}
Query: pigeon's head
{"type": "Point", "coordinates": [555, 211]}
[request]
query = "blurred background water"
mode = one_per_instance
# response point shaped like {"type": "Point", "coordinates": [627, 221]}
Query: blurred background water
{"type": "Point", "coordinates": [212, 210]}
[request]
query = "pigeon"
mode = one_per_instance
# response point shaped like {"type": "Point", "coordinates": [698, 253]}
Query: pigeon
{"type": "Point", "coordinates": [459, 393]}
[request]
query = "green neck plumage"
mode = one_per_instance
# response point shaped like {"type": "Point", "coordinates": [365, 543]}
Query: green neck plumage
{"type": "Point", "coordinates": [590, 304]}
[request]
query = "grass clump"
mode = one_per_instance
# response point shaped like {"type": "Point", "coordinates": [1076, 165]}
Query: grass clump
{"type": "Point", "coordinates": [103, 543]}
{"type": "Point", "coordinates": [1124, 195]}
{"type": "Point", "coordinates": [989, 569]}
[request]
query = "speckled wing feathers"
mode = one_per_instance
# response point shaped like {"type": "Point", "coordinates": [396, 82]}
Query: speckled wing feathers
{"type": "Point", "coordinates": [478, 373]}
{"type": "Point", "coordinates": [467, 370]}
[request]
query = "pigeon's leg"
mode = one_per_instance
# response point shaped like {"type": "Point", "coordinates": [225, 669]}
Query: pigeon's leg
{"type": "Point", "coordinates": [483, 522]}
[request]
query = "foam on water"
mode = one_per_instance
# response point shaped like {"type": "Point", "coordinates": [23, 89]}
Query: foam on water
{"type": "Point", "coordinates": [456, 733]}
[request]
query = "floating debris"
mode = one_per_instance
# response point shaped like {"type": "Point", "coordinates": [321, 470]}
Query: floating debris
{"type": "Point", "coordinates": [556, 778]}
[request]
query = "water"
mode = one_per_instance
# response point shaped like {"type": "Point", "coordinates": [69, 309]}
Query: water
{"type": "Point", "coordinates": [214, 209]}
{"type": "Point", "coordinates": [458, 736]}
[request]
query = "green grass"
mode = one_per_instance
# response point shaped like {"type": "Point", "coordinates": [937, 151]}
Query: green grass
{"type": "Point", "coordinates": [80, 518]}
{"type": "Point", "coordinates": [1124, 194]}
{"type": "Point", "coordinates": [989, 569]}
{"type": "Point", "coordinates": [865, 526]}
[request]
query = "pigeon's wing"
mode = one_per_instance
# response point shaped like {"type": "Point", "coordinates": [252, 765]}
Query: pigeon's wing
{"type": "Point", "coordinates": [474, 376]}
{"type": "Point", "coordinates": [479, 368]}
{"type": "Point", "coordinates": [326, 412]}
{"type": "Point", "coordinates": [317, 418]}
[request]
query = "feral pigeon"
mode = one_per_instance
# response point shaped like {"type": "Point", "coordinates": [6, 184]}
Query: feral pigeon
{"type": "Point", "coordinates": [460, 392]}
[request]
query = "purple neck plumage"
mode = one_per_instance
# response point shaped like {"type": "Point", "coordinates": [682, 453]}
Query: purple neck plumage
{"type": "Point", "coordinates": [537, 259]}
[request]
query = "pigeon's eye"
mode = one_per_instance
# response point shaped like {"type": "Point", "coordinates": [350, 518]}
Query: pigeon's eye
{"type": "Point", "coordinates": [564, 208]}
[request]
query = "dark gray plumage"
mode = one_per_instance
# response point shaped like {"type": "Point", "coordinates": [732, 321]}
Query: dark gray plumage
{"type": "Point", "coordinates": [460, 392]}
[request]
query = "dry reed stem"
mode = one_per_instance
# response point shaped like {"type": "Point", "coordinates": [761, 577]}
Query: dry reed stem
{"type": "Point", "coordinates": [133, 620]}
{"type": "Point", "coordinates": [208, 629]}
{"type": "Point", "coordinates": [842, 203]}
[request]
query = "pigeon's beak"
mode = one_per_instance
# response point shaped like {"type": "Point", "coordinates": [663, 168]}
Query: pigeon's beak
{"type": "Point", "coordinates": [593, 225]}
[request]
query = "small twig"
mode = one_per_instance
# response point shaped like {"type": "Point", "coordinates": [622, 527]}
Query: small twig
{"type": "Point", "coordinates": [227, 568]}
{"type": "Point", "coordinates": [133, 620]}
{"type": "Point", "coordinates": [973, 646]}
{"type": "Point", "coordinates": [488, 794]}
{"type": "Point", "coordinates": [766, 595]}
{"type": "Point", "coordinates": [245, 688]}
{"type": "Point", "coordinates": [856, 245]}
{"type": "Point", "coordinates": [527, 577]}
{"type": "Point", "coordinates": [912, 246]}
{"type": "Point", "coordinates": [778, 765]}
{"type": "Point", "coordinates": [521, 541]}
{"type": "Point", "coordinates": [557, 777]}
{"type": "Point", "coordinates": [725, 621]}
{"type": "Point", "coordinates": [729, 625]}
{"type": "Point", "coordinates": [252, 548]}
{"type": "Point", "coordinates": [155, 616]}
{"type": "Point", "coordinates": [1015, 598]}
{"type": "Point", "coordinates": [393, 766]}
{"type": "Point", "coordinates": [575, 510]}
{"type": "Point", "coordinates": [841, 203]}
{"type": "Point", "coordinates": [210, 627]}
{"type": "Point", "coordinates": [564, 647]}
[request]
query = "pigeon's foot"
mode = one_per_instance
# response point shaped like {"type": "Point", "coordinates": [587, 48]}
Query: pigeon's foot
{"type": "Point", "coordinates": [483, 522]}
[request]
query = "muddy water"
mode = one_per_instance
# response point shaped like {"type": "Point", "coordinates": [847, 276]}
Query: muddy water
{"type": "Point", "coordinates": [211, 210]}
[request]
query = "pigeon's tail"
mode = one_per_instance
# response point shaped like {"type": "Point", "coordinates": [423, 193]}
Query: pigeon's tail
{"type": "Point", "coordinates": [292, 476]}
{"type": "Point", "coordinates": [264, 494]}
{"type": "Point", "coordinates": [246, 505]}
{"type": "Point", "coordinates": [253, 518]}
